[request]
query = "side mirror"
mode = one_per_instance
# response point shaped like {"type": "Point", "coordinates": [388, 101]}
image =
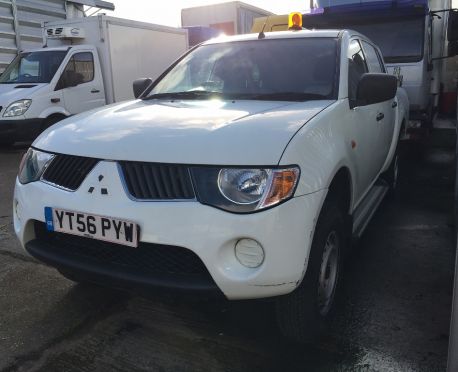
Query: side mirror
{"type": "Point", "coordinates": [142, 87]}
{"type": "Point", "coordinates": [375, 88]}
{"type": "Point", "coordinates": [452, 29]}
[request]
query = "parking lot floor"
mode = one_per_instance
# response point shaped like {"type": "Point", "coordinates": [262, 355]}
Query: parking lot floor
{"type": "Point", "coordinates": [393, 316]}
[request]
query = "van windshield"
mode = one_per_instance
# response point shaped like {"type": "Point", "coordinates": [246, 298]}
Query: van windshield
{"type": "Point", "coordinates": [34, 67]}
{"type": "Point", "coordinates": [296, 69]}
{"type": "Point", "coordinates": [399, 41]}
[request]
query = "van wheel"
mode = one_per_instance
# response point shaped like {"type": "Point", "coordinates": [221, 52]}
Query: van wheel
{"type": "Point", "coordinates": [51, 121]}
{"type": "Point", "coordinates": [305, 313]}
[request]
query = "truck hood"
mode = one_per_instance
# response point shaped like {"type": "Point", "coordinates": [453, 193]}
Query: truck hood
{"type": "Point", "coordinates": [187, 132]}
{"type": "Point", "coordinates": [10, 93]}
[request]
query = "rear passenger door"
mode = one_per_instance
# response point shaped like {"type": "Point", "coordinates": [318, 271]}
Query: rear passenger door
{"type": "Point", "coordinates": [386, 110]}
{"type": "Point", "coordinates": [362, 120]}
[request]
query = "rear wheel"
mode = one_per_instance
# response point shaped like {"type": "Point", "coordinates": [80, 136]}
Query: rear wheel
{"type": "Point", "coordinates": [303, 314]}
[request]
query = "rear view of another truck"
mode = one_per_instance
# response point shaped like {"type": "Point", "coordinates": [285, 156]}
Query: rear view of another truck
{"type": "Point", "coordinates": [412, 35]}
{"type": "Point", "coordinates": [231, 18]}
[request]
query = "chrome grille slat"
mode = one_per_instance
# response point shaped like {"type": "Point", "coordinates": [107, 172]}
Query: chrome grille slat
{"type": "Point", "coordinates": [152, 181]}
{"type": "Point", "coordinates": [69, 171]}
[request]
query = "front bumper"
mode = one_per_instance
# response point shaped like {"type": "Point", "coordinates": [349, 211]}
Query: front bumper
{"type": "Point", "coordinates": [20, 129]}
{"type": "Point", "coordinates": [285, 232]}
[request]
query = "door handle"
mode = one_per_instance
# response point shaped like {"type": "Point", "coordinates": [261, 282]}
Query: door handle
{"type": "Point", "coordinates": [380, 116]}
{"type": "Point", "coordinates": [95, 91]}
{"type": "Point", "coordinates": [394, 104]}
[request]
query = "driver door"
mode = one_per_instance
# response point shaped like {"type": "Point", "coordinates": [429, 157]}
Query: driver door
{"type": "Point", "coordinates": [83, 91]}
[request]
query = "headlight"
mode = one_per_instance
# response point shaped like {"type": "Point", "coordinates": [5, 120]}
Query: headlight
{"type": "Point", "coordinates": [17, 108]}
{"type": "Point", "coordinates": [33, 165]}
{"type": "Point", "coordinates": [244, 190]}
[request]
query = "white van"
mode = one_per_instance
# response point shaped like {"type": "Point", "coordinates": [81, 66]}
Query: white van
{"type": "Point", "coordinates": [85, 63]}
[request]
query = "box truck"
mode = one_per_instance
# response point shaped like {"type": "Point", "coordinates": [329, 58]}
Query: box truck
{"type": "Point", "coordinates": [412, 35]}
{"type": "Point", "coordinates": [231, 18]}
{"type": "Point", "coordinates": [85, 63]}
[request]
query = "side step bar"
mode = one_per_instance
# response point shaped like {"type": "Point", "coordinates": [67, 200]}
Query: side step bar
{"type": "Point", "coordinates": [368, 206]}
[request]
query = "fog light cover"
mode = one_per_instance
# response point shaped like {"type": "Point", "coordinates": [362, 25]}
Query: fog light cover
{"type": "Point", "coordinates": [249, 253]}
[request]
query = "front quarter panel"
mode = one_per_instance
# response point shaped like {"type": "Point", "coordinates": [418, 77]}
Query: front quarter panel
{"type": "Point", "coordinates": [321, 148]}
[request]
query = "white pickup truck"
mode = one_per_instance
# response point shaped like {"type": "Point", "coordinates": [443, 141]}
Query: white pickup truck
{"type": "Point", "coordinates": [244, 170]}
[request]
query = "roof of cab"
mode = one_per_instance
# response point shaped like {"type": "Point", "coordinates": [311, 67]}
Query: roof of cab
{"type": "Point", "coordinates": [278, 35]}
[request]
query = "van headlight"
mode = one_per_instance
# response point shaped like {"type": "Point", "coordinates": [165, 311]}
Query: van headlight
{"type": "Point", "coordinates": [245, 190]}
{"type": "Point", "coordinates": [17, 108]}
{"type": "Point", "coordinates": [33, 165]}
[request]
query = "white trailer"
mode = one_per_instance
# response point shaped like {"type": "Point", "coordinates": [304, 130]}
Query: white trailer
{"type": "Point", "coordinates": [232, 18]}
{"type": "Point", "coordinates": [85, 63]}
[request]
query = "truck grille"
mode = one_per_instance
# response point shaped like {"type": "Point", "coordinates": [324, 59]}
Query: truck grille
{"type": "Point", "coordinates": [68, 171]}
{"type": "Point", "coordinates": [154, 261]}
{"type": "Point", "coordinates": [157, 181]}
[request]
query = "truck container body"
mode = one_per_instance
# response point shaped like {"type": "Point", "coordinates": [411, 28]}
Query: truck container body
{"type": "Point", "coordinates": [85, 63]}
{"type": "Point", "coordinates": [199, 34]}
{"type": "Point", "coordinates": [411, 36]}
{"type": "Point", "coordinates": [231, 18]}
{"type": "Point", "coordinates": [127, 49]}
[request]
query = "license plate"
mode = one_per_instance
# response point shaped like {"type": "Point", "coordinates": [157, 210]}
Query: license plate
{"type": "Point", "coordinates": [92, 226]}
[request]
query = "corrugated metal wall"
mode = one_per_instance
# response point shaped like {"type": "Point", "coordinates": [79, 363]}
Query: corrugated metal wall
{"type": "Point", "coordinates": [20, 24]}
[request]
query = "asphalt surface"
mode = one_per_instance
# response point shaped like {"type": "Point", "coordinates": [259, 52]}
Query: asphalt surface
{"type": "Point", "coordinates": [394, 312]}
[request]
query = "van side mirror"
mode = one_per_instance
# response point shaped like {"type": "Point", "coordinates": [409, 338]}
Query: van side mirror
{"type": "Point", "coordinates": [375, 88]}
{"type": "Point", "coordinates": [142, 87]}
{"type": "Point", "coordinates": [452, 29]}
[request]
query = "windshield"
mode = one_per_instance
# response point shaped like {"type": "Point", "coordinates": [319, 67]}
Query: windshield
{"type": "Point", "coordinates": [279, 69]}
{"type": "Point", "coordinates": [399, 41]}
{"type": "Point", "coordinates": [34, 67]}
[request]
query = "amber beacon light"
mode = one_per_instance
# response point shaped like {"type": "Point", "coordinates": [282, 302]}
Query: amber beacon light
{"type": "Point", "coordinates": [295, 21]}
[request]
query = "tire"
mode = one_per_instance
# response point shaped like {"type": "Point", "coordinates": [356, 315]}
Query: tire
{"type": "Point", "coordinates": [51, 121]}
{"type": "Point", "coordinates": [305, 313]}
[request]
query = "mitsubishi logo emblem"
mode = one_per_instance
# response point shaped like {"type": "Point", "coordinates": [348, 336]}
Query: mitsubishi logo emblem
{"type": "Point", "coordinates": [103, 190]}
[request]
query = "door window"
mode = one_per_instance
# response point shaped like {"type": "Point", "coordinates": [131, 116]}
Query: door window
{"type": "Point", "coordinates": [372, 59]}
{"type": "Point", "coordinates": [356, 67]}
{"type": "Point", "coordinates": [79, 70]}
{"type": "Point", "coordinates": [83, 64]}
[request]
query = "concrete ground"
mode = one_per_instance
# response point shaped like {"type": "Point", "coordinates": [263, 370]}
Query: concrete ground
{"type": "Point", "coordinates": [394, 314]}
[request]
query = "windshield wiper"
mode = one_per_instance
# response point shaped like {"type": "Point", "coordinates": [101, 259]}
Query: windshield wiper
{"type": "Point", "coordinates": [192, 94]}
{"type": "Point", "coordinates": [286, 96]}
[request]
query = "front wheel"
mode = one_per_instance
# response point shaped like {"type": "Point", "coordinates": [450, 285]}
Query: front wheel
{"type": "Point", "coordinates": [303, 314]}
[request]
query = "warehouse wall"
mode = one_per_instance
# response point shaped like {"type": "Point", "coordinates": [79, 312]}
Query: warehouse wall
{"type": "Point", "coordinates": [20, 24]}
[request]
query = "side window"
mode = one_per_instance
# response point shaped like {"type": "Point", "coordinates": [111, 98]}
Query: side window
{"type": "Point", "coordinates": [373, 60]}
{"type": "Point", "coordinates": [380, 59]}
{"type": "Point", "coordinates": [79, 70]}
{"type": "Point", "coordinates": [356, 67]}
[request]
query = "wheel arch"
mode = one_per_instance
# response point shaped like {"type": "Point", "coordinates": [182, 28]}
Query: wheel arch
{"type": "Point", "coordinates": [340, 189]}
